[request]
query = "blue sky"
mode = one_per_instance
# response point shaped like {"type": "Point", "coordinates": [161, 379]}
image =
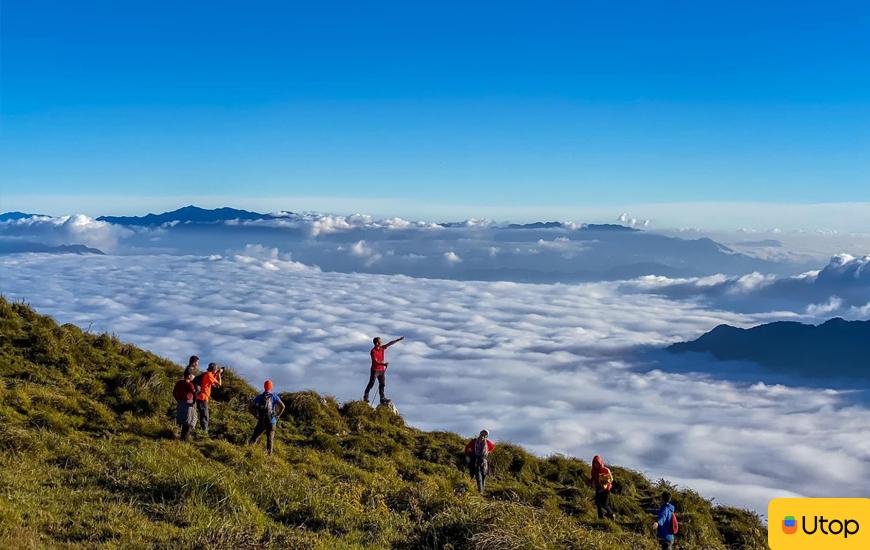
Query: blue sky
{"type": "Point", "coordinates": [517, 108]}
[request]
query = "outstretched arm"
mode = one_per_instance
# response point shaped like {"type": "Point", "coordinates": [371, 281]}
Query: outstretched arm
{"type": "Point", "coordinates": [396, 341]}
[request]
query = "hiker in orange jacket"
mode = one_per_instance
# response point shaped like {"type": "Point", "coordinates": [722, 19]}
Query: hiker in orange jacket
{"type": "Point", "coordinates": [211, 378]}
{"type": "Point", "coordinates": [476, 454]}
{"type": "Point", "coordinates": [602, 481]}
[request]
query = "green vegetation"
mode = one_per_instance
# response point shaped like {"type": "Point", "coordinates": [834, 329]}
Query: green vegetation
{"type": "Point", "coordinates": [88, 459]}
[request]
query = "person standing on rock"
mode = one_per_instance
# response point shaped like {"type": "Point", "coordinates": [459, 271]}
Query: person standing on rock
{"type": "Point", "coordinates": [379, 369]}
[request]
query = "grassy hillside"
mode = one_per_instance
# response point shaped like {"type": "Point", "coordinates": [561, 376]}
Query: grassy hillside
{"type": "Point", "coordinates": [88, 459]}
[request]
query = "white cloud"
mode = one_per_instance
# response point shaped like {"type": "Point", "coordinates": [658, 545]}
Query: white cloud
{"type": "Point", "coordinates": [842, 287]}
{"type": "Point", "coordinates": [452, 257]}
{"type": "Point", "coordinates": [626, 219]}
{"type": "Point", "coordinates": [66, 230]}
{"type": "Point", "coordinates": [361, 250]}
{"type": "Point", "coordinates": [317, 224]}
{"type": "Point", "coordinates": [266, 258]}
{"type": "Point", "coordinates": [833, 305]}
{"type": "Point", "coordinates": [547, 366]}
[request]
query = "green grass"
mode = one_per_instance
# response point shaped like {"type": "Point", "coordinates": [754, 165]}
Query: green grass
{"type": "Point", "coordinates": [88, 459]}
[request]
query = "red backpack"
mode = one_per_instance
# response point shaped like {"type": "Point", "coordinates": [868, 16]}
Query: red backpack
{"type": "Point", "coordinates": [675, 525]}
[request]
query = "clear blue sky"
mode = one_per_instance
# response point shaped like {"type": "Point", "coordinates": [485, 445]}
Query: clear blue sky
{"type": "Point", "coordinates": [497, 104]}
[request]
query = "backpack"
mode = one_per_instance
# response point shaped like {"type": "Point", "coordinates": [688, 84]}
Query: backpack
{"type": "Point", "coordinates": [263, 407]}
{"type": "Point", "coordinates": [675, 525]}
{"type": "Point", "coordinates": [197, 382]}
{"type": "Point", "coordinates": [481, 449]}
{"type": "Point", "coordinates": [605, 478]}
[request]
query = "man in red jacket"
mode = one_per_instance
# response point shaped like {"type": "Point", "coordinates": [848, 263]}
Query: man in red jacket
{"type": "Point", "coordinates": [184, 393]}
{"type": "Point", "coordinates": [379, 368]}
{"type": "Point", "coordinates": [476, 453]}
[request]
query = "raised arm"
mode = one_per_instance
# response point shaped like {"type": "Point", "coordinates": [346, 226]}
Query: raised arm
{"type": "Point", "coordinates": [396, 341]}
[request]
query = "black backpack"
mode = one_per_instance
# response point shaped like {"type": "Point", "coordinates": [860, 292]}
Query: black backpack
{"type": "Point", "coordinates": [197, 382]}
{"type": "Point", "coordinates": [263, 407]}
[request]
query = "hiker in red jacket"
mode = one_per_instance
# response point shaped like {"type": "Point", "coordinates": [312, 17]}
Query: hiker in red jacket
{"type": "Point", "coordinates": [379, 369]}
{"type": "Point", "coordinates": [184, 393]}
{"type": "Point", "coordinates": [476, 453]}
{"type": "Point", "coordinates": [602, 481]}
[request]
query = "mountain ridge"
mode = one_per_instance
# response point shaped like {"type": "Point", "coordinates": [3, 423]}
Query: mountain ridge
{"type": "Point", "coordinates": [190, 213]}
{"type": "Point", "coordinates": [87, 419]}
{"type": "Point", "coordinates": [837, 346]}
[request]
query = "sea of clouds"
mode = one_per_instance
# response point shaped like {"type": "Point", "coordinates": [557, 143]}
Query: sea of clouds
{"type": "Point", "coordinates": [558, 368]}
{"type": "Point", "coordinates": [841, 288]}
{"type": "Point", "coordinates": [470, 250]}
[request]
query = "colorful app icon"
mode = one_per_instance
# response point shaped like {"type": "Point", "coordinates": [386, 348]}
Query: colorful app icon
{"type": "Point", "coordinates": [789, 525]}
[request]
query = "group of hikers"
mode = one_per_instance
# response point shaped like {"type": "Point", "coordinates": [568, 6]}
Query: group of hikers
{"type": "Point", "coordinates": [601, 481]}
{"type": "Point", "coordinates": [193, 392]}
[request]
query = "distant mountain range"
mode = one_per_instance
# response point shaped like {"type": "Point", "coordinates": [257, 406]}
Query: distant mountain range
{"type": "Point", "coordinates": [560, 225]}
{"type": "Point", "coordinates": [195, 214]}
{"type": "Point", "coordinates": [10, 216]}
{"type": "Point", "coordinates": [17, 247]}
{"type": "Point", "coordinates": [539, 252]}
{"type": "Point", "coordinates": [188, 214]}
{"type": "Point", "coordinates": [836, 348]}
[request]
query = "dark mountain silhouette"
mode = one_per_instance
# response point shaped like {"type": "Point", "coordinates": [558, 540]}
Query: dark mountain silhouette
{"type": "Point", "coordinates": [535, 225]}
{"type": "Point", "coordinates": [772, 243]}
{"type": "Point", "coordinates": [17, 247]}
{"type": "Point", "coordinates": [836, 348]}
{"type": "Point", "coordinates": [10, 216]}
{"type": "Point", "coordinates": [608, 227]}
{"type": "Point", "coordinates": [191, 214]}
{"type": "Point", "coordinates": [559, 225]}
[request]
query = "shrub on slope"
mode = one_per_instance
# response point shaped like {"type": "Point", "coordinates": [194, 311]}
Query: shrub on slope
{"type": "Point", "coordinates": [88, 459]}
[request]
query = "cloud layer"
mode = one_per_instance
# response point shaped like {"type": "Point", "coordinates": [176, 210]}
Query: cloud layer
{"type": "Point", "coordinates": [470, 250]}
{"type": "Point", "coordinates": [841, 288]}
{"type": "Point", "coordinates": [66, 230]}
{"type": "Point", "coordinates": [547, 366]}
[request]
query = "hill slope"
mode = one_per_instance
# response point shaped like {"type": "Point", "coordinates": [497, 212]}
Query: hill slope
{"type": "Point", "coordinates": [835, 348]}
{"type": "Point", "coordinates": [89, 461]}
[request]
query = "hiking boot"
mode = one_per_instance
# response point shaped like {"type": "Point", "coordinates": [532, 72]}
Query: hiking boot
{"type": "Point", "coordinates": [386, 401]}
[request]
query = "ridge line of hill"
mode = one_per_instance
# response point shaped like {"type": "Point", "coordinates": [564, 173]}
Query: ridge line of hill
{"type": "Point", "coordinates": [90, 460]}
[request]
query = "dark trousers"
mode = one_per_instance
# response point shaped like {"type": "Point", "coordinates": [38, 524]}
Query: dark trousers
{"type": "Point", "coordinates": [602, 503]}
{"type": "Point", "coordinates": [202, 412]}
{"type": "Point", "coordinates": [264, 427]}
{"type": "Point", "coordinates": [666, 544]}
{"type": "Point", "coordinates": [479, 469]}
{"type": "Point", "coordinates": [381, 377]}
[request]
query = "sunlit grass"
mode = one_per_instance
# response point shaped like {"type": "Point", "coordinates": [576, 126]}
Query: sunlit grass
{"type": "Point", "coordinates": [88, 459]}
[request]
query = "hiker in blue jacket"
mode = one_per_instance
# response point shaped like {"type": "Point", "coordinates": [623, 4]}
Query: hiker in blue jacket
{"type": "Point", "coordinates": [267, 407]}
{"type": "Point", "coordinates": [666, 525]}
